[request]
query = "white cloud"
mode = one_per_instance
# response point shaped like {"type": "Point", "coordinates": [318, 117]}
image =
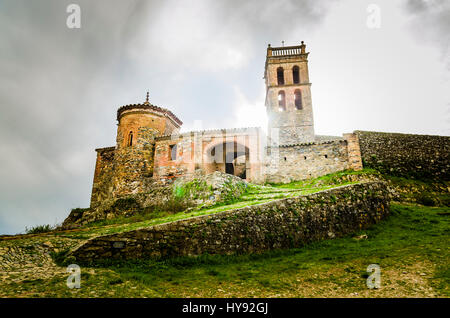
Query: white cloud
{"type": "Point", "coordinates": [375, 79]}
{"type": "Point", "coordinates": [249, 113]}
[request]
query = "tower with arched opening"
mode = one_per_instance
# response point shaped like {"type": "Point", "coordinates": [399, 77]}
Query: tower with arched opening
{"type": "Point", "coordinates": [288, 95]}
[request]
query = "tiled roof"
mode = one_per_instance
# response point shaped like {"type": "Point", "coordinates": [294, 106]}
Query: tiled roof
{"type": "Point", "coordinates": [150, 107]}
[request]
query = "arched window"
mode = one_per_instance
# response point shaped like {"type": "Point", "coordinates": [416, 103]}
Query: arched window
{"type": "Point", "coordinates": [296, 74]}
{"type": "Point", "coordinates": [281, 101]}
{"type": "Point", "coordinates": [280, 76]}
{"type": "Point", "coordinates": [130, 139]}
{"type": "Point", "coordinates": [298, 99]}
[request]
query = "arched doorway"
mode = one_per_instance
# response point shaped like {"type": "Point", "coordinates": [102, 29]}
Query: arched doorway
{"type": "Point", "coordinates": [229, 157]}
{"type": "Point", "coordinates": [229, 168]}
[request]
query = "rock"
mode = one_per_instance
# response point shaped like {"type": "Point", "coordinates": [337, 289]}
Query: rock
{"type": "Point", "coordinates": [47, 244]}
{"type": "Point", "coordinates": [75, 216]}
{"type": "Point", "coordinates": [361, 237]}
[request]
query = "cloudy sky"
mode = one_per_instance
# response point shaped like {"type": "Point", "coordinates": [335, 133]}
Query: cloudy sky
{"type": "Point", "coordinates": [203, 59]}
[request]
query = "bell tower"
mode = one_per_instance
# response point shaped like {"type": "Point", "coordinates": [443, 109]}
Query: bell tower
{"type": "Point", "coordinates": [288, 95]}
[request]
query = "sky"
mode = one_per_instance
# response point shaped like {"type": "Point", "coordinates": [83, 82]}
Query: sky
{"type": "Point", "coordinates": [380, 65]}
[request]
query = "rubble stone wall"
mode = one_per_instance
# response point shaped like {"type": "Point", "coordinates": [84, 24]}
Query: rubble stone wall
{"type": "Point", "coordinates": [284, 223]}
{"type": "Point", "coordinates": [406, 155]}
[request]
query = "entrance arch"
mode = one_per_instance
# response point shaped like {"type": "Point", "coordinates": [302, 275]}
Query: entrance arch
{"type": "Point", "coordinates": [230, 157]}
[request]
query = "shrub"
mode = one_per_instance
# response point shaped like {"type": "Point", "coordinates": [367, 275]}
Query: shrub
{"type": "Point", "coordinates": [59, 257]}
{"type": "Point", "coordinates": [125, 204]}
{"type": "Point", "coordinates": [173, 205]}
{"type": "Point", "coordinates": [78, 212]}
{"type": "Point", "coordinates": [445, 200]}
{"type": "Point", "coordinates": [39, 229]}
{"type": "Point", "coordinates": [426, 199]}
{"type": "Point", "coordinates": [194, 189]}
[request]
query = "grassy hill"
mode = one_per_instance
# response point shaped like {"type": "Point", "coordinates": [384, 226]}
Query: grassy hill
{"type": "Point", "coordinates": [411, 247]}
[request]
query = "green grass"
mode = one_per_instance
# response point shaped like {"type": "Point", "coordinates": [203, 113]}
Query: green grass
{"type": "Point", "coordinates": [255, 194]}
{"type": "Point", "coordinates": [411, 247]}
{"type": "Point", "coordinates": [411, 242]}
{"type": "Point", "coordinates": [425, 192]}
{"type": "Point", "coordinates": [329, 179]}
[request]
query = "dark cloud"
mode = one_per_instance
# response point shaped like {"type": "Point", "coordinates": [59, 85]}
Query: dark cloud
{"type": "Point", "coordinates": [60, 87]}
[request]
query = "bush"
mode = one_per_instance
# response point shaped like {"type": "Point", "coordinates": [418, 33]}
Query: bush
{"type": "Point", "coordinates": [426, 199]}
{"type": "Point", "coordinates": [59, 257]}
{"type": "Point", "coordinates": [39, 229]}
{"type": "Point", "coordinates": [125, 204]}
{"type": "Point", "coordinates": [445, 200]}
{"type": "Point", "coordinates": [74, 215]}
{"type": "Point", "coordinates": [191, 190]}
{"type": "Point", "coordinates": [78, 212]}
{"type": "Point", "coordinates": [173, 205]}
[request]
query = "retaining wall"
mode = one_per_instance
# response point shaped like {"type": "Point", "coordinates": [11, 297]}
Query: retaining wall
{"type": "Point", "coordinates": [284, 223]}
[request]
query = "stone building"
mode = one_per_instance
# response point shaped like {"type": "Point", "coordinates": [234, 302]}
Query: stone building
{"type": "Point", "coordinates": [150, 150]}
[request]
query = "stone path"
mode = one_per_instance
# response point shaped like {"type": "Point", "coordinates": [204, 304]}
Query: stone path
{"type": "Point", "coordinates": [29, 259]}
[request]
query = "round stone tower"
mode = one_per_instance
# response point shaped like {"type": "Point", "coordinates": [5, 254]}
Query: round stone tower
{"type": "Point", "coordinates": [138, 126]}
{"type": "Point", "coordinates": [138, 122]}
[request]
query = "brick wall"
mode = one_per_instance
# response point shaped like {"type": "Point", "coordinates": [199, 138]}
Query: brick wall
{"type": "Point", "coordinates": [354, 151]}
{"type": "Point", "coordinates": [165, 167]}
{"type": "Point", "coordinates": [207, 151]}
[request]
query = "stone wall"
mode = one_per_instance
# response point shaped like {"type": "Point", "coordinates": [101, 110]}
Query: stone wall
{"type": "Point", "coordinates": [406, 155]}
{"type": "Point", "coordinates": [104, 172]}
{"type": "Point", "coordinates": [298, 162]}
{"type": "Point", "coordinates": [133, 165]}
{"type": "Point", "coordinates": [284, 223]}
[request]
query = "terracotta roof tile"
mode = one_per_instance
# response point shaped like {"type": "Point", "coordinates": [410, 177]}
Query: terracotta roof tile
{"type": "Point", "coordinates": [150, 107]}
